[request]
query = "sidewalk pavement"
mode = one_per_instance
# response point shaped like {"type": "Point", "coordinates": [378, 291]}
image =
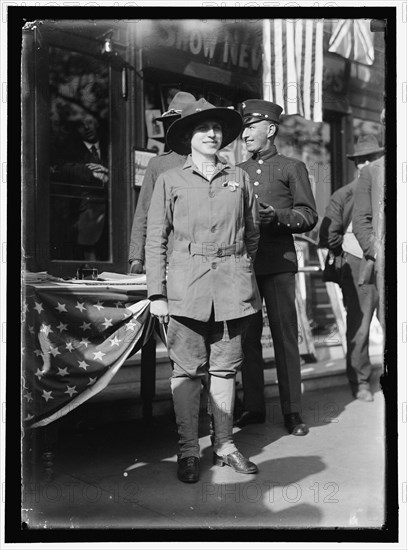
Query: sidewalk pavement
{"type": "Point", "coordinates": [122, 474]}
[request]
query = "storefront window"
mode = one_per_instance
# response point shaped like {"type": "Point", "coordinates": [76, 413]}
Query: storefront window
{"type": "Point", "coordinates": [79, 157]}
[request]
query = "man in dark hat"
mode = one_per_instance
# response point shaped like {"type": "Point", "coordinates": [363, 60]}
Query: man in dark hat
{"type": "Point", "coordinates": [156, 166]}
{"type": "Point", "coordinates": [287, 206]}
{"type": "Point", "coordinates": [369, 223]}
{"type": "Point", "coordinates": [336, 234]}
{"type": "Point", "coordinates": [210, 292]}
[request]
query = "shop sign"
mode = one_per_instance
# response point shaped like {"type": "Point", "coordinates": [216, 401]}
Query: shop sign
{"type": "Point", "coordinates": [228, 46]}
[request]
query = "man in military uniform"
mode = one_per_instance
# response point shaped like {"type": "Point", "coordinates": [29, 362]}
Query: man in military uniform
{"type": "Point", "coordinates": [155, 167]}
{"type": "Point", "coordinates": [287, 206]}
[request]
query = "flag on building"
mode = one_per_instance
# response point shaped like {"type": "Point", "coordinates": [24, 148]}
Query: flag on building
{"type": "Point", "coordinates": [73, 345]}
{"type": "Point", "coordinates": [353, 39]}
{"type": "Point", "coordinates": [292, 66]}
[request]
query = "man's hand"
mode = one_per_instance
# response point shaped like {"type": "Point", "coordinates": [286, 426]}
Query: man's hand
{"type": "Point", "coordinates": [266, 212]}
{"type": "Point", "coordinates": [159, 308]}
{"type": "Point", "coordinates": [136, 267]}
{"type": "Point", "coordinates": [99, 171]}
{"type": "Point", "coordinates": [97, 167]}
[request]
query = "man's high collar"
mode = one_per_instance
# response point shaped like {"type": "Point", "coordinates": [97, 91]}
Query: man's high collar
{"type": "Point", "coordinates": [265, 155]}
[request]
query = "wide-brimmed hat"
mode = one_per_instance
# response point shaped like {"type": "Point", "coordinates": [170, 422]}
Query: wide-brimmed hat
{"type": "Point", "coordinates": [200, 110]}
{"type": "Point", "coordinates": [365, 146]}
{"type": "Point", "coordinates": [176, 105]}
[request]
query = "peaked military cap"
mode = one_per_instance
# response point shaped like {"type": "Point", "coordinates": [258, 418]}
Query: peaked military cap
{"type": "Point", "coordinates": [254, 110]}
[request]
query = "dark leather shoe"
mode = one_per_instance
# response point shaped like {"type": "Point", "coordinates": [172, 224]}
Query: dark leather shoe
{"type": "Point", "coordinates": [250, 417]}
{"type": "Point", "coordinates": [364, 395]}
{"type": "Point", "coordinates": [188, 469]}
{"type": "Point", "coordinates": [237, 461]}
{"type": "Point", "coordinates": [294, 424]}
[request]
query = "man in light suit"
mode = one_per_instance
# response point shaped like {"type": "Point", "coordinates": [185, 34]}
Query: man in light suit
{"type": "Point", "coordinates": [360, 301]}
{"type": "Point", "coordinates": [369, 223]}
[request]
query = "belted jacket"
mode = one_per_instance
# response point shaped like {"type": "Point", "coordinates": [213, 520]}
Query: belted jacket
{"type": "Point", "coordinates": [215, 222]}
{"type": "Point", "coordinates": [283, 183]}
{"type": "Point", "coordinates": [155, 167]}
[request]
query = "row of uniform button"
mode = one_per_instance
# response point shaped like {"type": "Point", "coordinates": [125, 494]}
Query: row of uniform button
{"type": "Point", "coordinates": [258, 171]}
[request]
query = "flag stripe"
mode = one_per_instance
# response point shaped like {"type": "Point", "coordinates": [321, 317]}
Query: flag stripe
{"type": "Point", "coordinates": [278, 62]}
{"type": "Point", "coordinates": [267, 61]}
{"type": "Point", "coordinates": [291, 78]}
{"type": "Point", "coordinates": [295, 51]}
{"type": "Point", "coordinates": [307, 69]}
{"type": "Point", "coordinates": [319, 45]}
{"type": "Point", "coordinates": [299, 47]}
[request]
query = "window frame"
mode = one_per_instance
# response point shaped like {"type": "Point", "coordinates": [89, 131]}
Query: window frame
{"type": "Point", "coordinates": [36, 155]}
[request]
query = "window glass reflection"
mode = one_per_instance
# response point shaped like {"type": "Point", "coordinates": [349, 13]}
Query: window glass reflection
{"type": "Point", "coordinates": [79, 153]}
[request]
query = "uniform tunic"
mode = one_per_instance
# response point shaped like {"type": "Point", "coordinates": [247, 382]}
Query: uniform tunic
{"type": "Point", "coordinates": [215, 223]}
{"type": "Point", "coordinates": [283, 183]}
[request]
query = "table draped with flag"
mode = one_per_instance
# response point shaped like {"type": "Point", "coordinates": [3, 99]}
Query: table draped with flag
{"type": "Point", "coordinates": [75, 339]}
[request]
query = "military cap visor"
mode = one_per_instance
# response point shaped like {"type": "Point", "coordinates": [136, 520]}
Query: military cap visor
{"type": "Point", "coordinates": [254, 110]}
{"type": "Point", "coordinates": [251, 119]}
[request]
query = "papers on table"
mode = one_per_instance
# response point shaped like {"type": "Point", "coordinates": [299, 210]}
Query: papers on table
{"type": "Point", "coordinates": [39, 277]}
{"type": "Point", "coordinates": [104, 279]}
{"type": "Point", "coordinates": [120, 278]}
{"type": "Point", "coordinates": [112, 279]}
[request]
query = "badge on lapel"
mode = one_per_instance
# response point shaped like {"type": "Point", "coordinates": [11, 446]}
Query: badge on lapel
{"type": "Point", "coordinates": [231, 185]}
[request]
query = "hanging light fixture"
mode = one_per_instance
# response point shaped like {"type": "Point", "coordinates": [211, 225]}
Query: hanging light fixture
{"type": "Point", "coordinates": [107, 47]}
{"type": "Point", "coordinates": [113, 57]}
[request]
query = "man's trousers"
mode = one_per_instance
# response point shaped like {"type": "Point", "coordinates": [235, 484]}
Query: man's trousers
{"type": "Point", "coordinates": [278, 291]}
{"type": "Point", "coordinates": [360, 303]}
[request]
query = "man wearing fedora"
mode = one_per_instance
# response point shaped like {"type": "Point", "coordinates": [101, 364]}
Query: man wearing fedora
{"type": "Point", "coordinates": [156, 166]}
{"type": "Point", "coordinates": [287, 206]}
{"type": "Point", "coordinates": [360, 301]}
{"type": "Point", "coordinates": [369, 223]}
{"type": "Point", "coordinates": [210, 292]}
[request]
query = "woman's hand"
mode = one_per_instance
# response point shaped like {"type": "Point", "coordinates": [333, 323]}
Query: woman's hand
{"type": "Point", "coordinates": [159, 309]}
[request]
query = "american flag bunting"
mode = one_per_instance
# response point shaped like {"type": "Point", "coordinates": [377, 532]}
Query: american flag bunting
{"type": "Point", "coordinates": [73, 345]}
{"type": "Point", "coordinates": [292, 66]}
{"type": "Point", "coordinates": [353, 39]}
